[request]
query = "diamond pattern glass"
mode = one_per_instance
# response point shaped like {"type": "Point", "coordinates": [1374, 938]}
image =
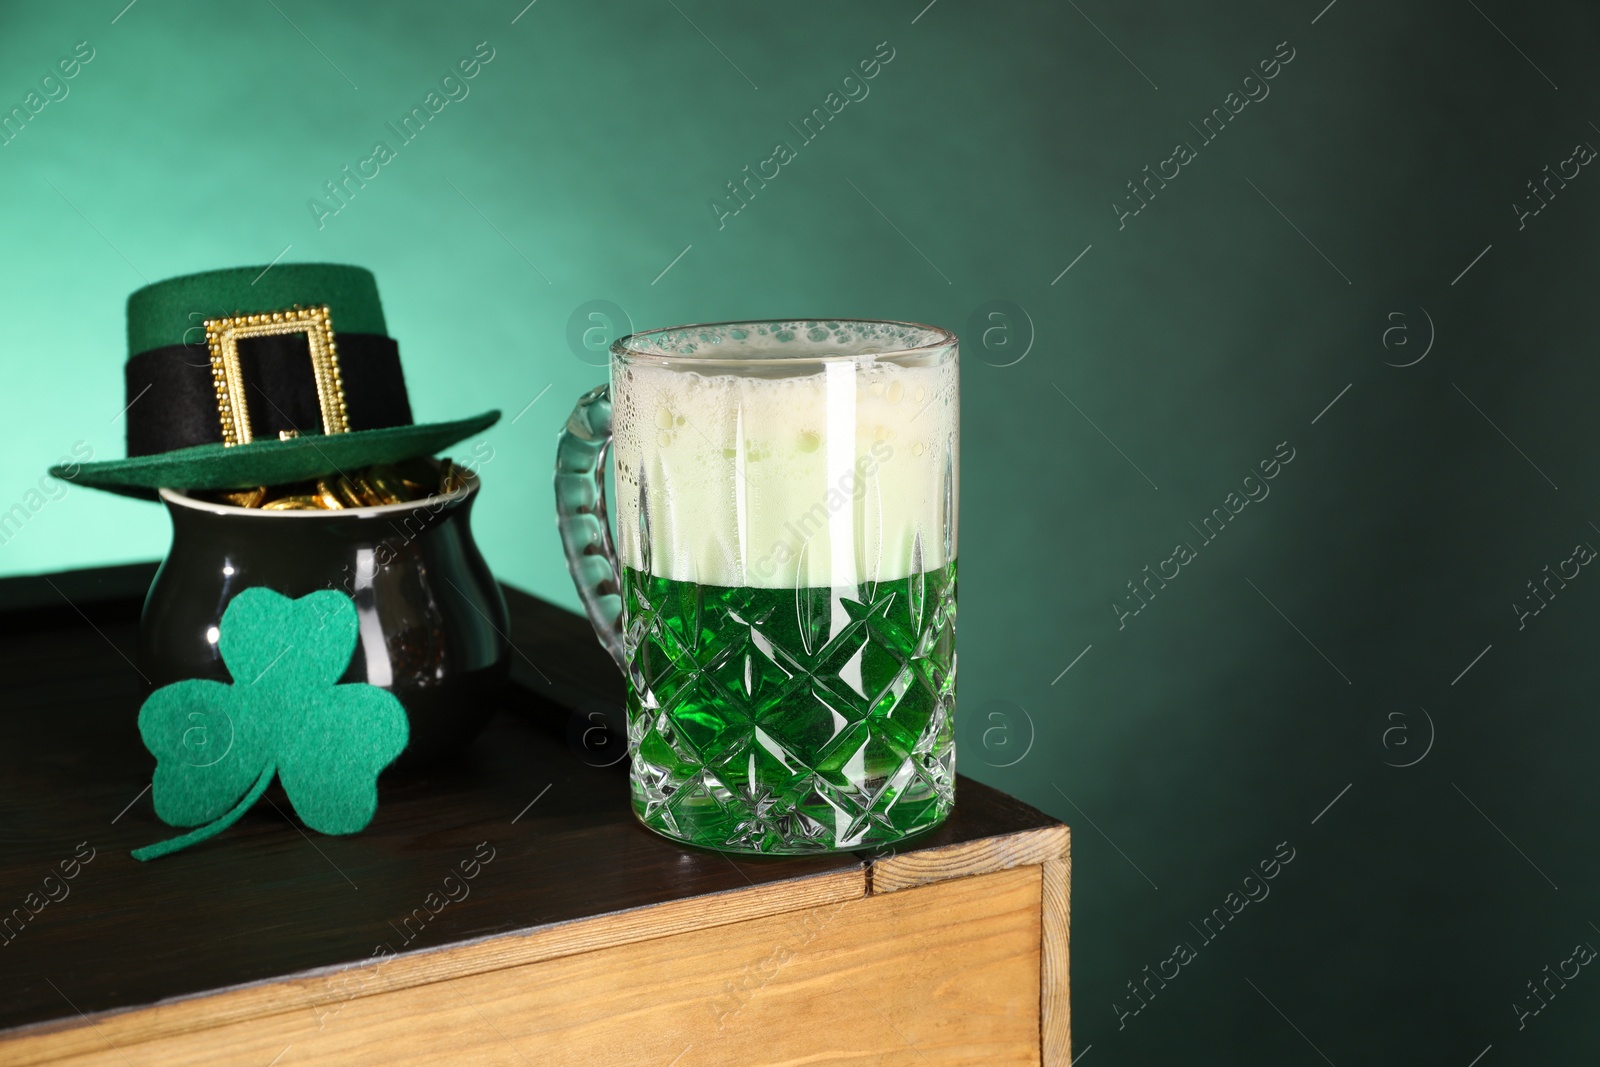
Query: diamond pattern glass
{"type": "Point", "coordinates": [791, 721]}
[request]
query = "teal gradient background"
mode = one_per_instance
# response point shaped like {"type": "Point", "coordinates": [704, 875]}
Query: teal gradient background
{"type": "Point", "coordinates": [1325, 638]}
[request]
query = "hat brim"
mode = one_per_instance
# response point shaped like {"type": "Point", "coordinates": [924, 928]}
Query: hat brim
{"type": "Point", "coordinates": [218, 466]}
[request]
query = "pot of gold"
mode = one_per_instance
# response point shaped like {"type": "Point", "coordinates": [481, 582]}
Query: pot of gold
{"type": "Point", "coordinates": [267, 410]}
{"type": "Point", "coordinates": [394, 538]}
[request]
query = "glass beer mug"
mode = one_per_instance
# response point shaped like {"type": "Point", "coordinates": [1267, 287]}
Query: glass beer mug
{"type": "Point", "coordinates": [781, 592]}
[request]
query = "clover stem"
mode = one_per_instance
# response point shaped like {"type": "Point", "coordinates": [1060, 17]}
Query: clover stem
{"type": "Point", "coordinates": [210, 829]}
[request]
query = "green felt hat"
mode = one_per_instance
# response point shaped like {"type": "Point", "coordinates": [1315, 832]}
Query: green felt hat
{"type": "Point", "coordinates": [262, 376]}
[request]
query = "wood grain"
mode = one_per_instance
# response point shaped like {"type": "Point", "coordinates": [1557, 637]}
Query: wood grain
{"type": "Point", "coordinates": [945, 975]}
{"type": "Point", "coordinates": [326, 992]}
{"type": "Point", "coordinates": [986, 854]}
{"type": "Point", "coordinates": [1055, 1002]}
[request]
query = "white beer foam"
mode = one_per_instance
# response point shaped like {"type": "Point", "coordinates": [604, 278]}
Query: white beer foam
{"type": "Point", "coordinates": [846, 474]}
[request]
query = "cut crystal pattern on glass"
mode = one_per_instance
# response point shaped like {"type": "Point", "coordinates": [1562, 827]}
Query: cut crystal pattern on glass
{"type": "Point", "coordinates": [758, 728]}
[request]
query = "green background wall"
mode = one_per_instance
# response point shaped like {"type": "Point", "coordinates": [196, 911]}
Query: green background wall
{"type": "Point", "coordinates": [1313, 646]}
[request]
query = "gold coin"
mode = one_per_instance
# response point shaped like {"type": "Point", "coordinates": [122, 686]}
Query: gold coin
{"type": "Point", "coordinates": [293, 503]}
{"type": "Point", "coordinates": [326, 496]}
{"type": "Point", "coordinates": [245, 498]}
{"type": "Point", "coordinates": [387, 481]}
{"type": "Point", "coordinates": [363, 489]}
{"type": "Point", "coordinates": [370, 492]}
{"type": "Point", "coordinates": [277, 492]}
{"type": "Point", "coordinates": [451, 477]}
{"type": "Point", "coordinates": [348, 494]}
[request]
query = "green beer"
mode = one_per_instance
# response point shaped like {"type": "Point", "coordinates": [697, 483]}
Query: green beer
{"type": "Point", "coordinates": [763, 728]}
{"type": "Point", "coordinates": [785, 577]}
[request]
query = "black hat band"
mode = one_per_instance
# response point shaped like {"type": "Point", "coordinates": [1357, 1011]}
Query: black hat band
{"type": "Point", "coordinates": [172, 396]}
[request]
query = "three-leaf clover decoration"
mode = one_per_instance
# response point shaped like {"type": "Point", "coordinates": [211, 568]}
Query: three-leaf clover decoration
{"type": "Point", "coordinates": [217, 746]}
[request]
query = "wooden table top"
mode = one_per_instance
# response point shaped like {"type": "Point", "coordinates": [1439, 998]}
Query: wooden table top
{"type": "Point", "coordinates": [265, 899]}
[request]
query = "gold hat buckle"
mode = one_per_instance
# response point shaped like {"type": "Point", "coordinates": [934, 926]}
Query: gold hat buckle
{"type": "Point", "coordinates": [227, 375]}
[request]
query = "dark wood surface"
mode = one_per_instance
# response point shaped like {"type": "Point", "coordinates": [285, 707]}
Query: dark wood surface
{"type": "Point", "coordinates": [267, 899]}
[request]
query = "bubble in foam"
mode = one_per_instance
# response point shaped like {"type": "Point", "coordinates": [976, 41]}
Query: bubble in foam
{"type": "Point", "coordinates": [815, 338]}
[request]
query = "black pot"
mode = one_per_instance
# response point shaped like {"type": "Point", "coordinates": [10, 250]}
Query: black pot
{"type": "Point", "coordinates": [433, 622]}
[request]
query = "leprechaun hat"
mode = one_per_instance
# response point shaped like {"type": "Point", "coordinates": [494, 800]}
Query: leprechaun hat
{"type": "Point", "coordinates": [262, 376]}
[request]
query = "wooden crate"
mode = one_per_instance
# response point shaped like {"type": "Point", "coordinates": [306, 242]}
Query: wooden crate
{"type": "Point", "coordinates": [580, 938]}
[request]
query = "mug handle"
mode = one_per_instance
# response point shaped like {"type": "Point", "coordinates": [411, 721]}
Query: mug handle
{"type": "Point", "coordinates": [583, 520]}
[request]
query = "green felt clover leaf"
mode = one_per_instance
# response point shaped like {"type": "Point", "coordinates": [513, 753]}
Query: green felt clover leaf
{"type": "Point", "coordinates": [218, 746]}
